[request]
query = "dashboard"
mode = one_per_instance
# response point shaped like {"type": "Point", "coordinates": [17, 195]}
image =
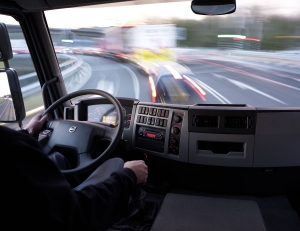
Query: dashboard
{"type": "Point", "coordinates": [107, 113]}
{"type": "Point", "coordinates": [215, 135]}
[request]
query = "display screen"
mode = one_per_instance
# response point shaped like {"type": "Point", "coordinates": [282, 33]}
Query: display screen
{"type": "Point", "coordinates": [110, 119]}
{"type": "Point", "coordinates": [107, 113]}
{"type": "Point", "coordinates": [151, 135]}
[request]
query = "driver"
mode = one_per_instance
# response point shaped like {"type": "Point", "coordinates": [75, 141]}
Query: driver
{"type": "Point", "coordinates": [37, 196]}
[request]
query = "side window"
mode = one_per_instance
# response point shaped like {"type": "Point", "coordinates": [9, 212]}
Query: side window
{"type": "Point", "coordinates": [23, 64]}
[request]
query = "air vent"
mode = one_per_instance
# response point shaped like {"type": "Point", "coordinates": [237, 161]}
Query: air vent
{"type": "Point", "coordinates": [206, 121]}
{"type": "Point", "coordinates": [70, 113]}
{"type": "Point", "coordinates": [237, 122]}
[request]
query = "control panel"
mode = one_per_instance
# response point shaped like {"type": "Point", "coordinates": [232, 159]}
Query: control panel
{"type": "Point", "coordinates": [175, 131]}
{"type": "Point", "coordinates": [152, 116]}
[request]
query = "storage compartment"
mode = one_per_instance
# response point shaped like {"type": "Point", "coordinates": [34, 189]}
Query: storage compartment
{"type": "Point", "coordinates": [230, 150]}
{"type": "Point", "coordinates": [225, 148]}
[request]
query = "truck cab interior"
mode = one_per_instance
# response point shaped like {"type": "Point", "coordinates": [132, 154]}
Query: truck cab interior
{"type": "Point", "coordinates": [209, 99]}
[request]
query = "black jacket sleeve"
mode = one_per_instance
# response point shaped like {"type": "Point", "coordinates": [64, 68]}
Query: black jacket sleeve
{"type": "Point", "coordinates": [38, 197]}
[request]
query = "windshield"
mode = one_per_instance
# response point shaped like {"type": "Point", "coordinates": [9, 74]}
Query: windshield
{"type": "Point", "coordinates": [165, 53]}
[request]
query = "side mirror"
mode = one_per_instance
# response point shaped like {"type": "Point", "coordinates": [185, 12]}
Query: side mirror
{"type": "Point", "coordinates": [11, 101]}
{"type": "Point", "coordinates": [213, 7]}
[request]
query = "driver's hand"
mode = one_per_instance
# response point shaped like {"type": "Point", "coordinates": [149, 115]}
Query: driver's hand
{"type": "Point", "coordinates": [36, 124]}
{"type": "Point", "coordinates": [139, 168]}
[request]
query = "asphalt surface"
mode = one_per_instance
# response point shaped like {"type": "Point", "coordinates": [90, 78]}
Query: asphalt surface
{"type": "Point", "coordinates": [266, 81]}
{"type": "Point", "coordinates": [257, 81]}
{"type": "Point", "coordinates": [120, 79]}
{"type": "Point", "coordinates": [7, 111]}
{"type": "Point", "coordinates": [261, 80]}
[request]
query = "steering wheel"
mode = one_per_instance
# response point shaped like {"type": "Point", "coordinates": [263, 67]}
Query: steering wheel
{"type": "Point", "coordinates": [79, 135]}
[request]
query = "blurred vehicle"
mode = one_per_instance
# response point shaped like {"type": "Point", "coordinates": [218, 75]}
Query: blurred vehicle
{"type": "Point", "coordinates": [63, 50]}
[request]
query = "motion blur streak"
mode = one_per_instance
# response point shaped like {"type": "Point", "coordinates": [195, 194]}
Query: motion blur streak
{"type": "Point", "coordinates": [195, 85]}
{"type": "Point", "coordinates": [231, 36]}
{"type": "Point", "coordinates": [147, 69]}
{"type": "Point", "coordinates": [153, 90]}
{"type": "Point", "coordinates": [195, 89]}
{"type": "Point", "coordinates": [248, 39]}
{"type": "Point", "coordinates": [248, 73]}
{"type": "Point", "coordinates": [175, 73]}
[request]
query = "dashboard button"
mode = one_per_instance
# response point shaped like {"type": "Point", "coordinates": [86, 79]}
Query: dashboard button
{"type": "Point", "coordinates": [161, 122]}
{"type": "Point", "coordinates": [138, 119]}
{"type": "Point", "coordinates": [175, 130]}
{"type": "Point", "coordinates": [158, 112]}
{"type": "Point", "coordinates": [142, 119]}
{"type": "Point", "coordinates": [149, 120]}
{"type": "Point", "coordinates": [167, 113]}
{"type": "Point", "coordinates": [177, 118]}
{"type": "Point", "coordinates": [146, 110]}
{"type": "Point", "coordinates": [152, 121]}
{"type": "Point", "coordinates": [145, 119]}
{"type": "Point", "coordinates": [157, 122]}
{"type": "Point", "coordinates": [174, 142]}
{"type": "Point", "coordinates": [162, 114]}
{"type": "Point", "coordinates": [165, 123]}
{"type": "Point", "coordinates": [140, 110]}
{"type": "Point", "coordinates": [143, 110]}
{"type": "Point", "coordinates": [150, 111]}
{"type": "Point", "coordinates": [154, 111]}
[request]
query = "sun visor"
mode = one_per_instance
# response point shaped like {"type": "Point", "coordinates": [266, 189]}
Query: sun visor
{"type": "Point", "coordinates": [5, 46]}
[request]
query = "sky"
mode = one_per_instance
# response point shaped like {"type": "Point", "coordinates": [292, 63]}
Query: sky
{"type": "Point", "coordinates": [140, 14]}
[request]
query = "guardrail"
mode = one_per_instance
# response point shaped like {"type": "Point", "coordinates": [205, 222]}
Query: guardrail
{"type": "Point", "coordinates": [74, 67]}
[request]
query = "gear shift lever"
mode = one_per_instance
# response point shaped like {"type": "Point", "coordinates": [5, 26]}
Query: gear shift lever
{"type": "Point", "coordinates": [137, 199]}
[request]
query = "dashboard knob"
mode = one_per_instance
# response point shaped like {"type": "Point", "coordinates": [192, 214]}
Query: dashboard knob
{"type": "Point", "coordinates": [176, 130]}
{"type": "Point", "coordinates": [174, 142]}
{"type": "Point", "coordinates": [177, 118]}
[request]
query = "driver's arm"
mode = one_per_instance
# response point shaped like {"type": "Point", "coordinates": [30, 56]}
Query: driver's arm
{"type": "Point", "coordinates": [39, 195]}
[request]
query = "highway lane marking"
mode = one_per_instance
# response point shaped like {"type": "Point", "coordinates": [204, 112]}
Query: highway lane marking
{"type": "Point", "coordinates": [216, 94]}
{"type": "Point", "coordinates": [246, 86]}
{"type": "Point", "coordinates": [134, 80]}
{"type": "Point", "coordinates": [7, 104]}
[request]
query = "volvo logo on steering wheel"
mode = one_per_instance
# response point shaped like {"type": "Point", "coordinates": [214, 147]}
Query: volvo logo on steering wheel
{"type": "Point", "coordinates": [72, 129]}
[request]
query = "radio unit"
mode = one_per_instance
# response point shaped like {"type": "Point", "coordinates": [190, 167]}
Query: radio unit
{"type": "Point", "coordinates": [152, 134]}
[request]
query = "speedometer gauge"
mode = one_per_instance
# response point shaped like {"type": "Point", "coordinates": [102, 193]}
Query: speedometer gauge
{"type": "Point", "coordinates": [97, 114]}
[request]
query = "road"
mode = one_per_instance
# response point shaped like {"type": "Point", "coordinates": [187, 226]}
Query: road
{"type": "Point", "coordinates": [120, 79]}
{"type": "Point", "coordinates": [7, 111]}
{"type": "Point", "coordinates": [261, 80]}
{"type": "Point", "coordinates": [257, 81]}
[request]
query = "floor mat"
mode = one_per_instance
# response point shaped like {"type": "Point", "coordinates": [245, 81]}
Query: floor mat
{"type": "Point", "coordinates": [187, 212]}
{"type": "Point", "coordinates": [137, 220]}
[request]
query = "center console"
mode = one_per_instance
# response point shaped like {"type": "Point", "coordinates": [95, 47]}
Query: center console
{"type": "Point", "coordinates": [160, 129]}
{"type": "Point", "coordinates": [199, 134]}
